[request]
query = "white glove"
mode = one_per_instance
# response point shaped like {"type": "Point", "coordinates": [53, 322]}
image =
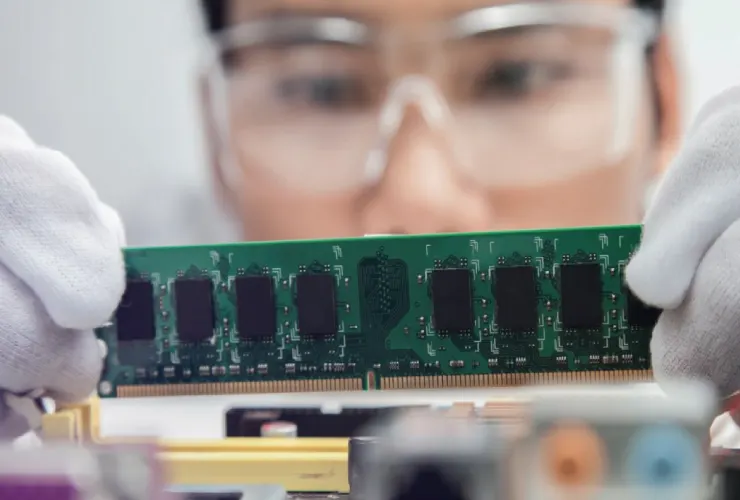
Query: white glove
{"type": "Point", "coordinates": [61, 274]}
{"type": "Point", "coordinates": [689, 260]}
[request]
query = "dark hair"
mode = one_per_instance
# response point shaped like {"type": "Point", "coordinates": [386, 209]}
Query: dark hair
{"type": "Point", "coordinates": [215, 11]}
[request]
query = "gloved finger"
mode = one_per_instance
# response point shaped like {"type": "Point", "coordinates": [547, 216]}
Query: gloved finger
{"type": "Point", "coordinates": [82, 368]}
{"type": "Point", "coordinates": [699, 339]}
{"type": "Point", "coordinates": [113, 221]}
{"type": "Point", "coordinates": [13, 135]}
{"type": "Point", "coordinates": [35, 353]}
{"type": "Point", "coordinates": [12, 423]}
{"type": "Point", "coordinates": [696, 202]}
{"type": "Point", "coordinates": [55, 236]}
{"type": "Point", "coordinates": [73, 363]}
{"type": "Point", "coordinates": [726, 99]}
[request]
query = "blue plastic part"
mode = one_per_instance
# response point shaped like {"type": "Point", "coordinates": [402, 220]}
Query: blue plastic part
{"type": "Point", "coordinates": [663, 456]}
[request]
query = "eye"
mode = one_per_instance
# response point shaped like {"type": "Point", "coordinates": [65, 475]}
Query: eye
{"type": "Point", "coordinates": [518, 78]}
{"type": "Point", "coordinates": [332, 92]}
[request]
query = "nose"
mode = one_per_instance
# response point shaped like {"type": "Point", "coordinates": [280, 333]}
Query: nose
{"type": "Point", "coordinates": [420, 189]}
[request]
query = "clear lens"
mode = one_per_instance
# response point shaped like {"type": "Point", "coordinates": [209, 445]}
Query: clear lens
{"type": "Point", "coordinates": [528, 106]}
{"type": "Point", "coordinates": [539, 107]}
{"type": "Point", "coordinates": [308, 114]}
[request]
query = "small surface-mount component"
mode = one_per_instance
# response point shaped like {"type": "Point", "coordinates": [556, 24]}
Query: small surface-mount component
{"type": "Point", "coordinates": [581, 296]}
{"type": "Point", "coordinates": [452, 300]}
{"type": "Point", "coordinates": [195, 309]}
{"type": "Point", "coordinates": [256, 315]}
{"type": "Point", "coordinates": [279, 429]}
{"type": "Point", "coordinates": [135, 313]}
{"type": "Point", "coordinates": [515, 292]}
{"type": "Point", "coordinates": [317, 304]}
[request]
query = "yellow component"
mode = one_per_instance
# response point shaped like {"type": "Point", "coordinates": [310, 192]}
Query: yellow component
{"type": "Point", "coordinates": [76, 423]}
{"type": "Point", "coordinates": [304, 464]}
{"type": "Point", "coordinates": [220, 388]}
{"type": "Point", "coordinates": [294, 471]}
{"type": "Point", "coordinates": [63, 426]}
{"type": "Point", "coordinates": [296, 464]}
{"type": "Point", "coordinates": [515, 379]}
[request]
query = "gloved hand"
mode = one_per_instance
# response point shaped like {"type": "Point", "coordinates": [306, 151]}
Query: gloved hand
{"type": "Point", "coordinates": [689, 260]}
{"type": "Point", "coordinates": [61, 274]}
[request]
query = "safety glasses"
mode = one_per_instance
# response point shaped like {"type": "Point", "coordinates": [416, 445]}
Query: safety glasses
{"type": "Point", "coordinates": [512, 95]}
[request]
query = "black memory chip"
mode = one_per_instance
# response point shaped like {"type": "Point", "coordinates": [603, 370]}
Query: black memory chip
{"type": "Point", "coordinates": [639, 314]}
{"type": "Point", "coordinates": [135, 313]}
{"type": "Point", "coordinates": [516, 298]}
{"type": "Point", "coordinates": [195, 310]}
{"type": "Point", "coordinates": [580, 296]}
{"type": "Point", "coordinates": [256, 315]}
{"type": "Point", "coordinates": [452, 300]}
{"type": "Point", "coordinates": [317, 304]}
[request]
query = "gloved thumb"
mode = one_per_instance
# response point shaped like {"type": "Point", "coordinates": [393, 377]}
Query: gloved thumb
{"type": "Point", "coordinates": [13, 135]}
{"type": "Point", "coordinates": [697, 201]}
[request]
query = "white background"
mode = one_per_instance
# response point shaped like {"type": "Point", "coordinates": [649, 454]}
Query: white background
{"type": "Point", "coordinates": [110, 82]}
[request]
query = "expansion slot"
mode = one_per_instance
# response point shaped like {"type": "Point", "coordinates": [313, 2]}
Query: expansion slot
{"type": "Point", "coordinates": [378, 313]}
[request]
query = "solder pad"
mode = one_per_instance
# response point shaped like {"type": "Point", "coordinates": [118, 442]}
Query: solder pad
{"type": "Point", "coordinates": [479, 309]}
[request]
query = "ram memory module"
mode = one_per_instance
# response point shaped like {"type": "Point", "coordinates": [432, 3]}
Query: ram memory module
{"type": "Point", "coordinates": [381, 312]}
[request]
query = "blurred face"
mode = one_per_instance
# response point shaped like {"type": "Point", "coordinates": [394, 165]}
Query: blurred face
{"type": "Point", "coordinates": [423, 116]}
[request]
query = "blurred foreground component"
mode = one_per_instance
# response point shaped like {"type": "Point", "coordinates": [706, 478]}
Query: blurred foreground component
{"type": "Point", "coordinates": [596, 444]}
{"type": "Point", "coordinates": [601, 447]}
{"type": "Point", "coordinates": [727, 467]}
{"type": "Point", "coordinates": [230, 493]}
{"type": "Point", "coordinates": [67, 472]}
{"type": "Point", "coordinates": [583, 443]}
{"type": "Point", "coordinates": [429, 455]}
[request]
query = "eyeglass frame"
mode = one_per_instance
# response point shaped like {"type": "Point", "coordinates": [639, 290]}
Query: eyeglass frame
{"type": "Point", "coordinates": [631, 25]}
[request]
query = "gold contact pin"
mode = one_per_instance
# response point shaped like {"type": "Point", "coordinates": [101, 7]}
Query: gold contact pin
{"type": "Point", "coordinates": [386, 383]}
{"type": "Point", "coordinates": [223, 388]}
{"type": "Point", "coordinates": [515, 379]}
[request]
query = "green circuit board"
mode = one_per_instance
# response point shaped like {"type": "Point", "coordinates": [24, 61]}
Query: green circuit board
{"type": "Point", "coordinates": [385, 312]}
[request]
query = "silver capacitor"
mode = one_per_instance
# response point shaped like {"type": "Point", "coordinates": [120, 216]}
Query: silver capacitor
{"type": "Point", "coordinates": [279, 429]}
